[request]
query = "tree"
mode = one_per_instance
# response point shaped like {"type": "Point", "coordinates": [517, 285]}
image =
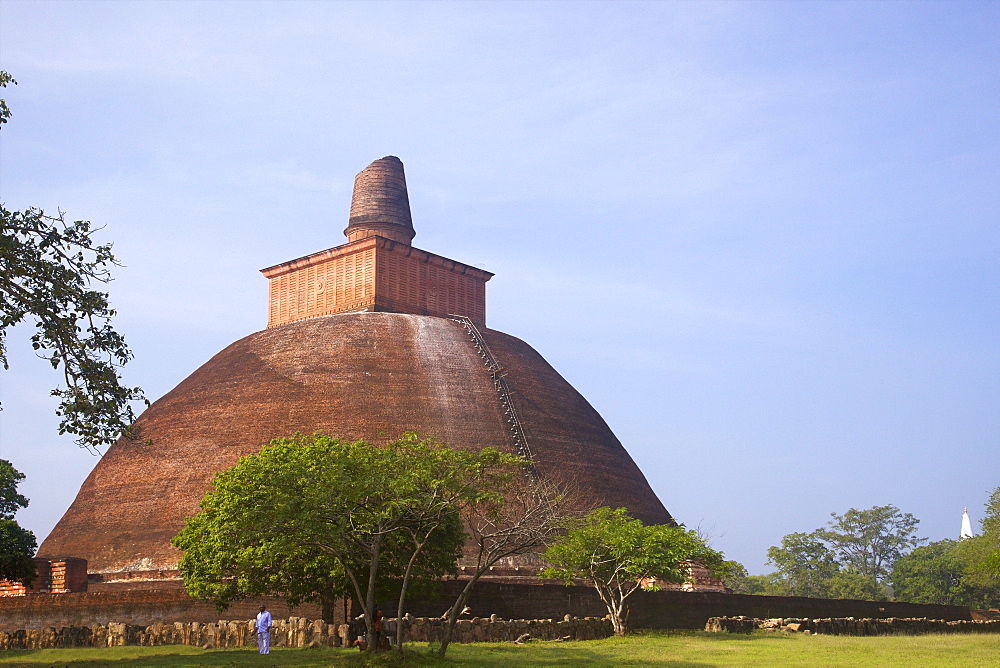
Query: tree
{"type": "Point", "coordinates": [17, 545]}
{"type": "Point", "coordinates": [848, 584]}
{"type": "Point", "coordinates": [936, 573]}
{"type": "Point", "coordinates": [312, 518]}
{"type": "Point", "coordinates": [619, 555]}
{"type": "Point", "coordinates": [47, 267]}
{"type": "Point", "coordinates": [805, 565]}
{"type": "Point", "coordinates": [453, 480]}
{"type": "Point", "coordinates": [517, 513]}
{"type": "Point", "coordinates": [738, 581]}
{"type": "Point", "coordinates": [982, 552]}
{"type": "Point", "coordinates": [852, 558]}
{"type": "Point", "coordinates": [868, 542]}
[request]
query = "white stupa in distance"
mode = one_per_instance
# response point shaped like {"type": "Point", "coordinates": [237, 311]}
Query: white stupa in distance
{"type": "Point", "coordinates": [966, 525]}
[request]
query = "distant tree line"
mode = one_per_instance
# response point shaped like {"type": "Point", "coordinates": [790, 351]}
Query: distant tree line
{"type": "Point", "coordinates": [875, 554]}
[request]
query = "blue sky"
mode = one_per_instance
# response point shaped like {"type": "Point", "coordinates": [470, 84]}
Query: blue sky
{"type": "Point", "coordinates": [760, 237]}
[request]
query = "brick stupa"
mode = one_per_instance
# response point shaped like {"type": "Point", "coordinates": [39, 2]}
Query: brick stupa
{"type": "Point", "coordinates": [366, 340]}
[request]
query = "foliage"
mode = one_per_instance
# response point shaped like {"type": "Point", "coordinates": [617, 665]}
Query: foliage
{"type": "Point", "coordinates": [851, 558]}
{"type": "Point", "coordinates": [311, 517]}
{"type": "Point", "coordinates": [521, 513]}
{"type": "Point", "coordinates": [47, 267]}
{"type": "Point", "coordinates": [935, 573]}
{"type": "Point", "coordinates": [983, 552]}
{"type": "Point", "coordinates": [17, 545]}
{"type": "Point", "coordinates": [848, 584]}
{"type": "Point", "coordinates": [769, 584]}
{"type": "Point", "coordinates": [619, 555]}
{"type": "Point", "coordinates": [805, 565]}
{"type": "Point", "coordinates": [5, 79]}
{"type": "Point", "coordinates": [10, 500]}
{"type": "Point", "coordinates": [868, 542]}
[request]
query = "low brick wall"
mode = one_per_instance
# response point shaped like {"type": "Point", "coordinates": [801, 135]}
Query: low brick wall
{"type": "Point", "coordinates": [52, 576]}
{"type": "Point", "coordinates": [299, 632]}
{"type": "Point", "coordinates": [506, 599]}
{"type": "Point", "coordinates": [663, 609]}
{"type": "Point", "coordinates": [136, 607]}
{"type": "Point", "coordinates": [849, 626]}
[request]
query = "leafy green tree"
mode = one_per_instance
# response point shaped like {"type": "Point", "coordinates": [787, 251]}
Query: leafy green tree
{"type": "Point", "coordinates": [936, 573]}
{"type": "Point", "coordinates": [868, 542]}
{"type": "Point", "coordinates": [17, 544]}
{"type": "Point", "coordinates": [10, 500]}
{"type": "Point", "coordinates": [47, 268]}
{"type": "Point", "coordinates": [805, 565]}
{"type": "Point", "coordinates": [453, 480]}
{"type": "Point", "coordinates": [982, 552]}
{"type": "Point", "coordinates": [515, 514]}
{"type": "Point", "coordinates": [738, 581]}
{"type": "Point", "coordinates": [313, 518]}
{"type": "Point", "coordinates": [848, 584]}
{"type": "Point", "coordinates": [619, 555]}
{"type": "Point", "coordinates": [851, 558]}
{"type": "Point", "coordinates": [735, 575]}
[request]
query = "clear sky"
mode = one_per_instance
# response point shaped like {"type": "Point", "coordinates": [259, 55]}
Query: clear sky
{"type": "Point", "coordinates": [762, 238]}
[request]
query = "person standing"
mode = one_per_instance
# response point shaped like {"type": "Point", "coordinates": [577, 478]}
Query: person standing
{"type": "Point", "coordinates": [264, 630]}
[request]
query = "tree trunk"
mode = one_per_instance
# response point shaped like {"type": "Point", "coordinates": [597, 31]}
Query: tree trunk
{"type": "Point", "coordinates": [329, 603]}
{"type": "Point", "coordinates": [402, 597]}
{"type": "Point", "coordinates": [372, 637]}
{"type": "Point", "coordinates": [456, 610]}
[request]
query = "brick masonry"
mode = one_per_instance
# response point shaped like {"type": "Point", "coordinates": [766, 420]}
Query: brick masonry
{"type": "Point", "coordinates": [374, 274]}
{"type": "Point", "coordinates": [353, 375]}
{"type": "Point", "coordinates": [359, 346]}
{"type": "Point", "coordinates": [380, 204]}
{"type": "Point", "coordinates": [138, 607]}
{"type": "Point", "coordinates": [52, 576]}
{"type": "Point", "coordinates": [655, 610]}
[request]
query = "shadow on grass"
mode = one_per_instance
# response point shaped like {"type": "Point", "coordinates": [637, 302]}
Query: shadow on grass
{"type": "Point", "coordinates": [179, 655]}
{"type": "Point", "coordinates": [711, 636]}
{"type": "Point", "coordinates": [536, 654]}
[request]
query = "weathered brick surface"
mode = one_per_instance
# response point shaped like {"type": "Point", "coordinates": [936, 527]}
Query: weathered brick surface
{"type": "Point", "coordinates": [506, 600]}
{"type": "Point", "coordinates": [358, 375]}
{"type": "Point", "coordinates": [129, 607]}
{"type": "Point", "coordinates": [374, 274]}
{"type": "Point", "coordinates": [56, 576]}
{"type": "Point", "coordinates": [666, 609]}
{"type": "Point", "coordinates": [377, 270]}
{"type": "Point", "coordinates": [380, 204]}
{"type": "Point", "coordinates": [352, 349]}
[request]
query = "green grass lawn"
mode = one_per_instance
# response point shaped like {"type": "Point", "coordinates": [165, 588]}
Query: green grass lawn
{"type": "Point", "coordinates": [676, 648]}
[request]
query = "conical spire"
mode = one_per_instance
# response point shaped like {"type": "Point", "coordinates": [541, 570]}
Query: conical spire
{"type": "Point", "coordinates": [380, 205]}
{"type": "Point", "coordinates": [966, 525]}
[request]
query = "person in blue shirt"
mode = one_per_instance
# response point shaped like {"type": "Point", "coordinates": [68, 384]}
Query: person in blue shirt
{"type": "Point", "coordinates": [264, 630]}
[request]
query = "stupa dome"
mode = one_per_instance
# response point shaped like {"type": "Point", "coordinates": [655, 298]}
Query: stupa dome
{"type": "Point", "coordinates": [354, 375]}
{"type": "Point", "coordinates": [363, 342]}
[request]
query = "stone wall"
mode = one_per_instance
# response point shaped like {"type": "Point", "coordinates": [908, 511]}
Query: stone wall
{"type": "Point", "coordinates": [507, 600]}
{"type": "Point", "coordinates": [849, 626]}
{"type": "Point", "coordinates": [299, 632]}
